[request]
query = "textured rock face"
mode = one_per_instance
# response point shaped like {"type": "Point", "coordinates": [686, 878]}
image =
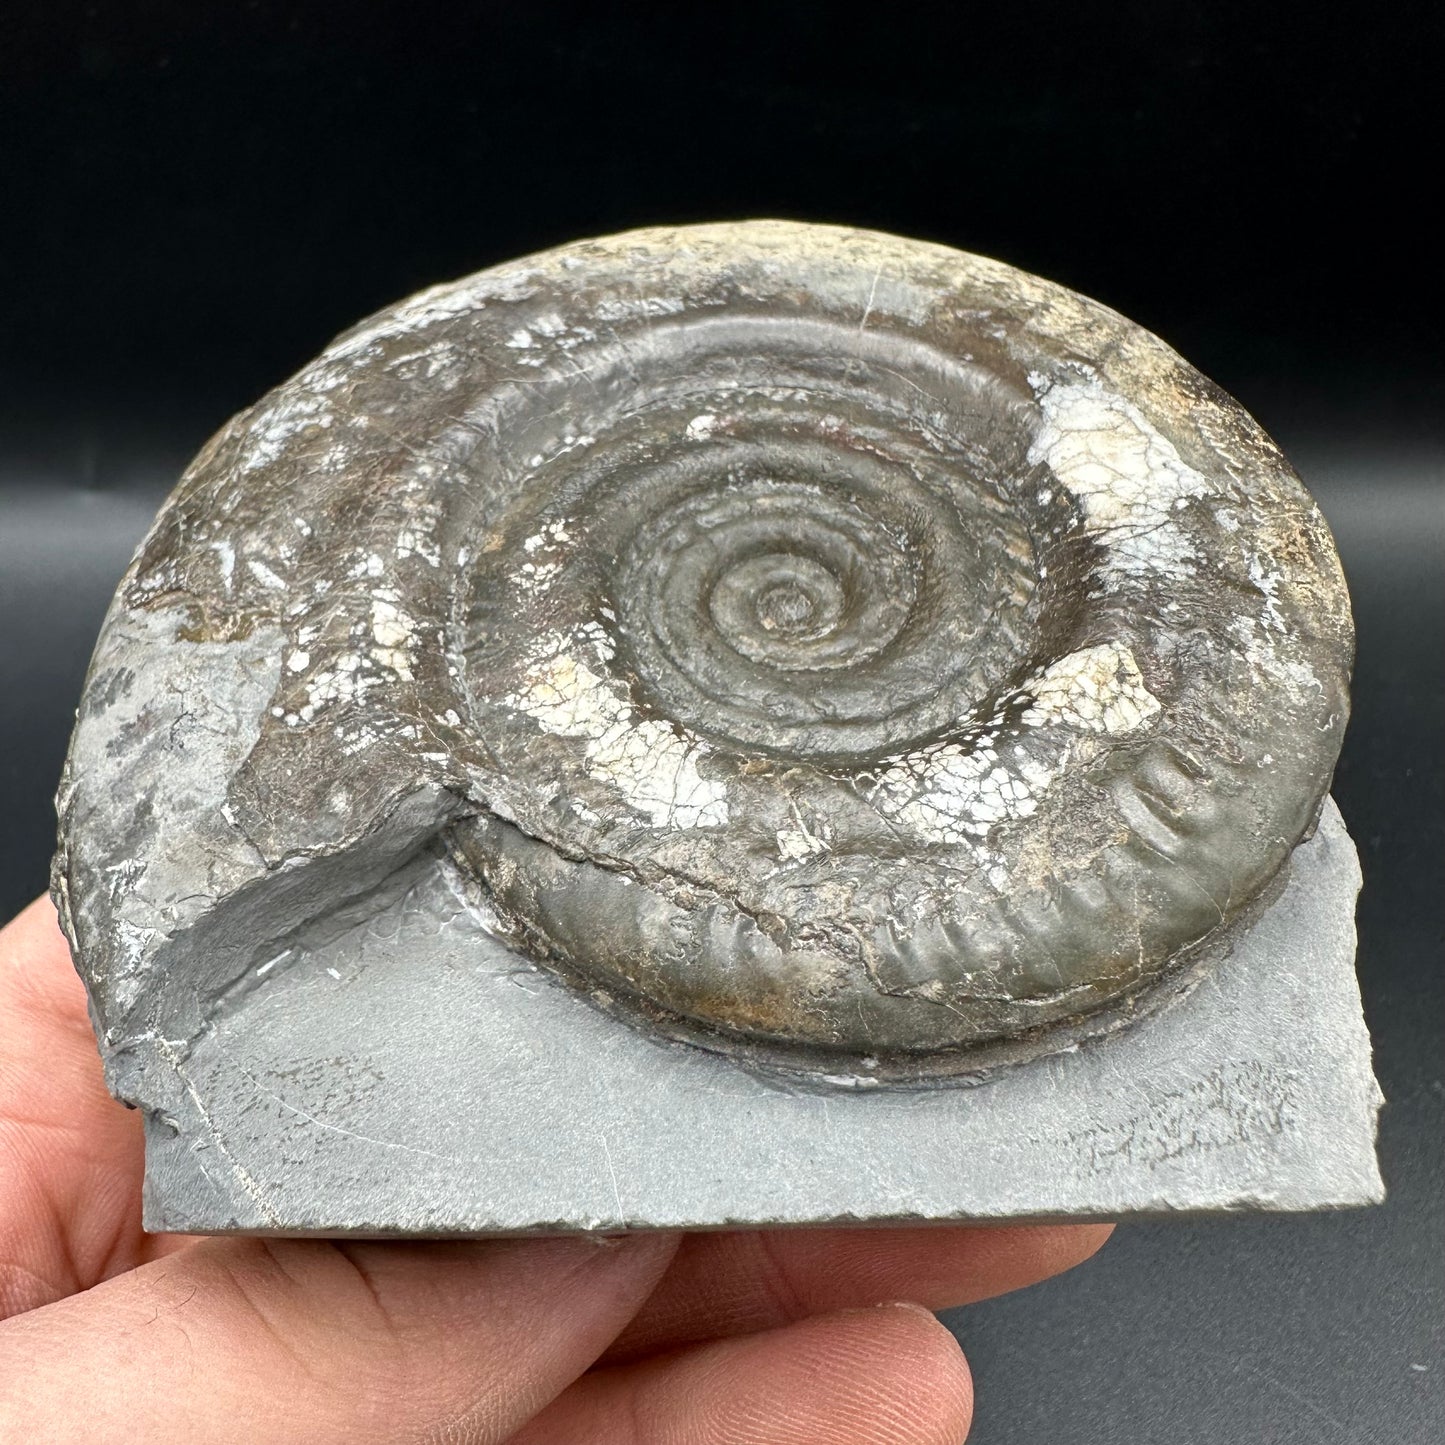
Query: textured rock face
{"type": "Point", "coordinates": [841, 652]}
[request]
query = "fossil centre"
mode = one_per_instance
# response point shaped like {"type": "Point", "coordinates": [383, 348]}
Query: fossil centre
{"type": "Point", "coordinates": [723, 725]}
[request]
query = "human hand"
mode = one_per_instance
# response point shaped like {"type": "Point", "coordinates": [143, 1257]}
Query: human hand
{"type": "Point", "coordinates": [111, 1334]}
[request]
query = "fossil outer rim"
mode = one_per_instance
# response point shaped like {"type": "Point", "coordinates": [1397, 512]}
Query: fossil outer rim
{"type": "Point", "coordinates": [1008, 685]}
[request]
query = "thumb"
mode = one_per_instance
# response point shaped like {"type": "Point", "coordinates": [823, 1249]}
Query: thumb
{"type": "Point", "coordinates": [313, 1341]}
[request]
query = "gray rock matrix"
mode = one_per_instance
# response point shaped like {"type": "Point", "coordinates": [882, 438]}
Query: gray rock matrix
{"type": "Point", "coordinates": [409, 1074]}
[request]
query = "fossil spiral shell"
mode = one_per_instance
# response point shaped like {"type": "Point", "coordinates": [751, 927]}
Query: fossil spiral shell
{"type": "Point", "coordinates": [823, 646]}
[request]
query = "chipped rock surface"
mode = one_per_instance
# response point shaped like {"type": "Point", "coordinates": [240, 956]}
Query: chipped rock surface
{"type": "Point", "coordinates": [859, 657]}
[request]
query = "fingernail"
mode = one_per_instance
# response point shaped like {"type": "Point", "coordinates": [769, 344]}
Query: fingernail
{"type": "Point", "coordinates": [907, 1304]}
{"type": "Point", "coordinates": [912, 1306]}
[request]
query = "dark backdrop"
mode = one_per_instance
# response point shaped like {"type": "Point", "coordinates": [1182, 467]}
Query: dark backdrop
{"type": "Point", "coordinates": [195, 196]}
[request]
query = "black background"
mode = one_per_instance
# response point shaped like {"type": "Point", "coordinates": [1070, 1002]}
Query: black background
{"type": "Point", "coordinates": [195, 197]}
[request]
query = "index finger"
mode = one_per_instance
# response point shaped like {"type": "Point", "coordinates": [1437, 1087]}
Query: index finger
{"type": "Point", "coordinates": [732, 1284]}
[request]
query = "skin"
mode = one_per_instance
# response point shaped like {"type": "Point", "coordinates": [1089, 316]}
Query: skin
{"type": "Point", "coordinates": [112, 1334]}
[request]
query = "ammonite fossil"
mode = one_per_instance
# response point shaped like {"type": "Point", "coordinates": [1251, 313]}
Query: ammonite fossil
{"type": "Point", "coordinates": [834, 650]}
